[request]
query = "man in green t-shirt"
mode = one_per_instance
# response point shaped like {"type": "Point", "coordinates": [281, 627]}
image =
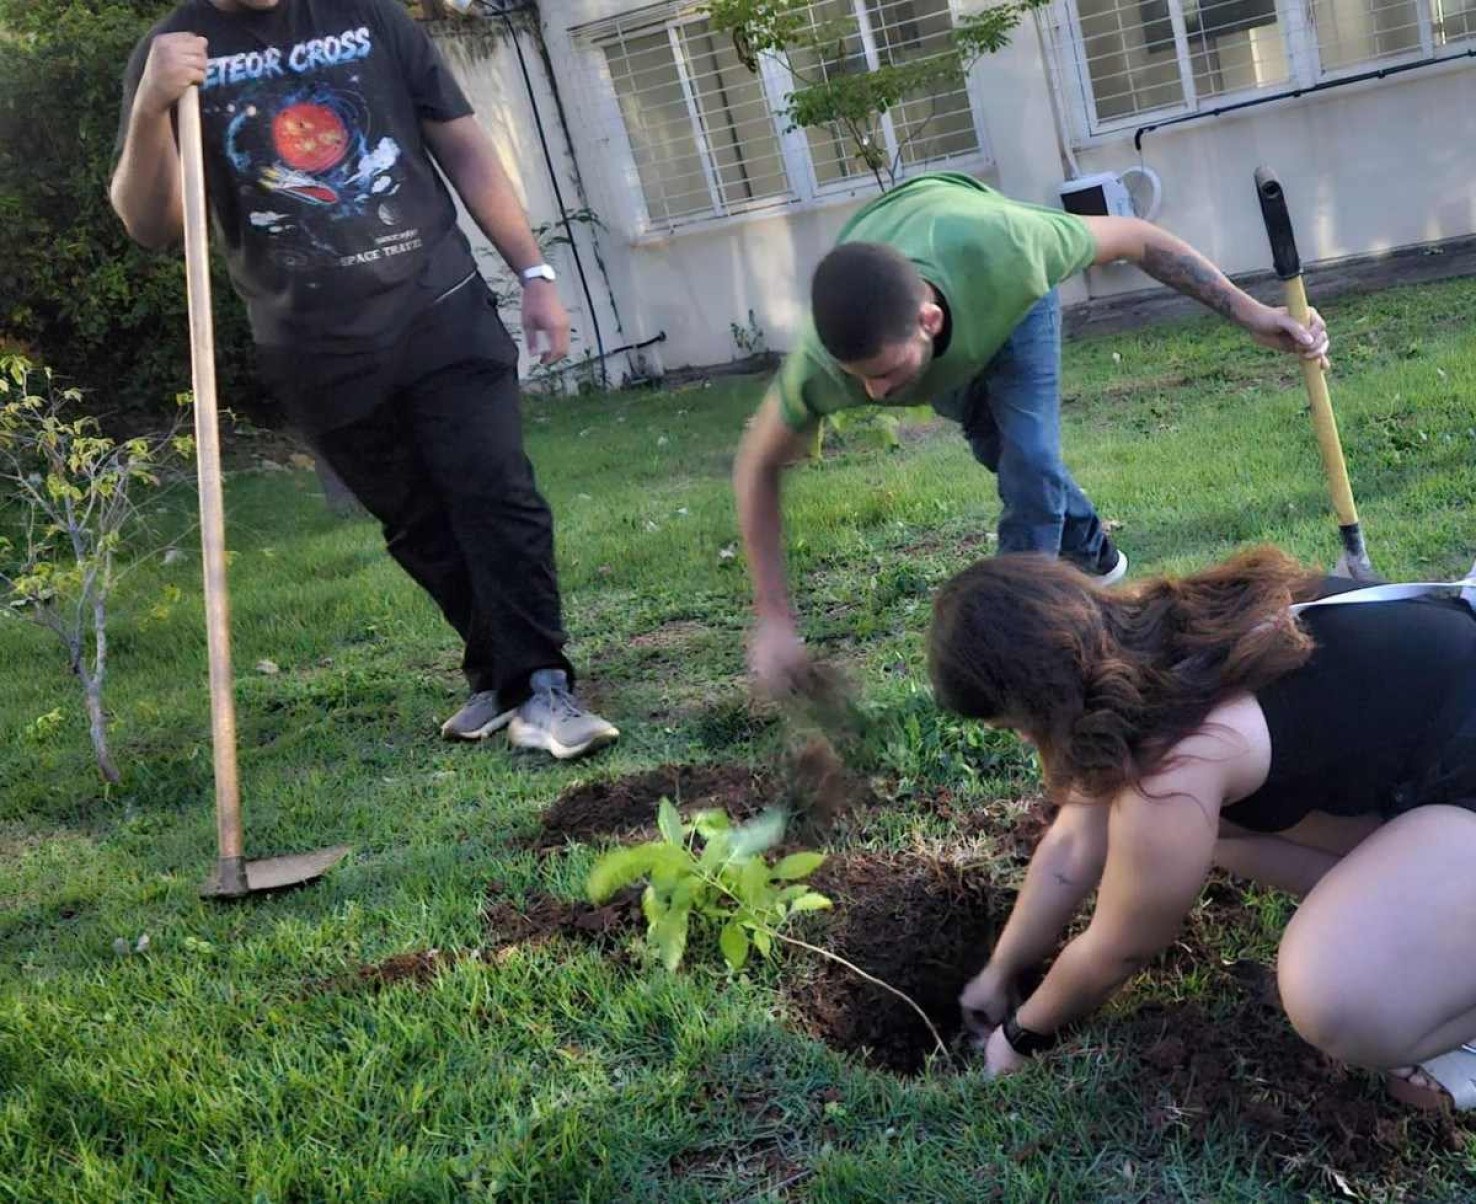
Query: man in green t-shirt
{"type": "Point", "coordinates": [943, 291]}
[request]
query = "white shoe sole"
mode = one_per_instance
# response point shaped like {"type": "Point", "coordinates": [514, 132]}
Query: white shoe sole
{"type": "Point", "coordinates": [493, 725]}
{"type": "Point", "coordinates": [524, 735]}
{"type": "Point", "coordinates": [1118, 572]}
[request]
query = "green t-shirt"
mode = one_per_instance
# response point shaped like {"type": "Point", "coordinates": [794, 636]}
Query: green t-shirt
{"type": "Point", "coordinates": [991, 258]}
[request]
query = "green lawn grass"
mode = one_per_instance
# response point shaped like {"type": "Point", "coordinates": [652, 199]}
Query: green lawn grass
{"type": "Point", "coordinates": [240, 1057]}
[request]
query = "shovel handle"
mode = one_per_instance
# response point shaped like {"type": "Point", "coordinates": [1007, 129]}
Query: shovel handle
{"type": "Point", "coordinates": [1324, 422]}
{"type": "Point", "coordinates": [212, 503]}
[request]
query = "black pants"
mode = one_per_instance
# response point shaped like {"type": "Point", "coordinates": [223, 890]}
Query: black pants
{"type": "Point", "coordinates": [439, 461]}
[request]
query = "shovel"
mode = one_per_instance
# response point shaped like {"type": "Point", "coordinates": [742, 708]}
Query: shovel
{"type": "Point", "coordinates": [234, 876]}
{"type": "Point", "coordinates": [1353, 562]}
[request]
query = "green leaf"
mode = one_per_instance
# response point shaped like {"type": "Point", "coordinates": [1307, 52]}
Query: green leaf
{"type": "Point", "coordinates": [713, 820]}
{"type": "Point", "coordinates": [814, 901]}
{"type": "Point", "coordinates": [791, 893]}
{"type": "Point", "coordinates": [799, 865]}
{"type": "Point", "coordinates": [734, 943]}
{"type": "Point", "coordinates": [753, 886]}
{"type": "Point", "coordinates": [653, 907]}
{"type": "Point", "coordinates": [672, 863]}
{"type": "Point", "coordinates": [760, 834]}
{"type": "Point", "coordinates": [669, 820]}
{"type": "Point", "coordinates": [618, 868]}
{"type": "Point", "coordinates": [669, 934]}
{"type": "Point", "coordinates": [762, 941]}
{"type": "Point", "coordinates": [719, 849]}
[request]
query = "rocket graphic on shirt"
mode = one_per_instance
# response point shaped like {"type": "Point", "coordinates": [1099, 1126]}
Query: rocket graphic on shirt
{"type": "Point", "coordinates": [304, 151]}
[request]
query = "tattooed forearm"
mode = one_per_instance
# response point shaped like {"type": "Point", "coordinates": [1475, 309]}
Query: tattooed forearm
{"type": "Point", "coordinates": [1191, 274]}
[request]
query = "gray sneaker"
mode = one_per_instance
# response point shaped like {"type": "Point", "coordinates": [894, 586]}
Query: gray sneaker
{"type": "Point", "coordinates": [552, 720]}
{"type": "Point", "coordinates": [478, 718]}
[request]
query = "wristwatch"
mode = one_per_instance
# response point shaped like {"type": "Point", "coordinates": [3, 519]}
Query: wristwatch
{"type": "Point", "coordinates": [1023, 1041]}
{"type": "Point", "coordinates": [539, 271]}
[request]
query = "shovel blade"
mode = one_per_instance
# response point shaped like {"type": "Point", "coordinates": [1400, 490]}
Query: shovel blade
{"type": "Point", "coordinates": [1353, 562]}
{"type": "Point", "coordinates": [273, 873]}
{"type": "Point", "coordinates": [1356, 568]}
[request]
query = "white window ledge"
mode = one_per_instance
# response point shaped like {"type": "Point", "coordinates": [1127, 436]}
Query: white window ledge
{"type": "Point", "coordinates": [832, 197]}
{"type": "Point", "coordinates": [1205, 116]}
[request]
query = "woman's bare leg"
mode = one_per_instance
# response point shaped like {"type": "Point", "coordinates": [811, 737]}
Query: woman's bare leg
{"type": "Point", "coordinates": [1294, 860]}
{"type": "Point", "coordinates": [1378, 966]}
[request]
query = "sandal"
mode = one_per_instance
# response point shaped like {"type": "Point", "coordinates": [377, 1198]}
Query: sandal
{"type": "Point", "coordinates": [1448, 1080]}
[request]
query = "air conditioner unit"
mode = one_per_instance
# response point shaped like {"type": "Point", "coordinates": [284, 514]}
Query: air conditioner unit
{"type": "Point", "coordinates": [1106, 194]}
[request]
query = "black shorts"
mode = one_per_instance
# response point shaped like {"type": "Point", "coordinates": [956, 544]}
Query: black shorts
{"type": "Point", "coordinates": [1446, 773]}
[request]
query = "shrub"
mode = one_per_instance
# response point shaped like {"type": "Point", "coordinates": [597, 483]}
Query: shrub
{"type": "Point", "coordinates": [74, 289]}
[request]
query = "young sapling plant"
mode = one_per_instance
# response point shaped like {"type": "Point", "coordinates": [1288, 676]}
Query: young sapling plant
{"type": "Point", "coordinates": [719, 874]}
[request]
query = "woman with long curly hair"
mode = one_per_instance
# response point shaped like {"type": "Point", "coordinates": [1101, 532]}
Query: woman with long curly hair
{"type": "Point", "coordinates": [1201, 721]}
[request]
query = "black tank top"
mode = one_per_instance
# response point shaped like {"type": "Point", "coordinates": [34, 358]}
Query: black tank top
{"type": "Point", "coordinates": [1389, 685]}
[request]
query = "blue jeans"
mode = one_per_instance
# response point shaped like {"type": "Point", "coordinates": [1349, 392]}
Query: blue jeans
{"type": "Point", "coordinates": [1011, 416]}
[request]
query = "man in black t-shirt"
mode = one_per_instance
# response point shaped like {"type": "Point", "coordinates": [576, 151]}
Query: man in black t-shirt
{"type": "Point", "coordinates": [324, 121]}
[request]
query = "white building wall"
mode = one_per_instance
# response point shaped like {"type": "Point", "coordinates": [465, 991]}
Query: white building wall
{"type": "Point", "coordinates": [1367, 168]}
{"type": "Point", "coordinates": [482, 57]}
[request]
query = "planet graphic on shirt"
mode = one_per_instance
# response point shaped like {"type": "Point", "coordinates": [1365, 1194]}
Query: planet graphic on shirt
{"type": "Point", "coordinates": [310, 137]}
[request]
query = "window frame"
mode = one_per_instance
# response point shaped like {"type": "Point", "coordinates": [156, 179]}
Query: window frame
{"type": "Point", "coordinates": [775, 81]}
{"type": "Point", "coordinates": [1071, 77]}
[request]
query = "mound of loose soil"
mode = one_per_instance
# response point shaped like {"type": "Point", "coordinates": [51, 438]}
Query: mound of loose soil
{"type": "Point", "coordinates": [545, 917]}
{"type": "Point", "coordinates": [1244, 1062]}
{"type": "Point", "coordinates": [418, 967]}
{"type": "Point", "coordinates": [812, 782]}
{"type": "Point", "coordinates": [626, 807]}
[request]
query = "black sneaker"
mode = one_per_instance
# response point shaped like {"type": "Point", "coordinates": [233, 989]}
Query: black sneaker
{"type": "Point", "coordinates": [1108, 567]}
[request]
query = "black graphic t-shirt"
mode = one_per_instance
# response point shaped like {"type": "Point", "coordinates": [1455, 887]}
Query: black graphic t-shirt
{"type": "Point", "coordinates": [336, 227]}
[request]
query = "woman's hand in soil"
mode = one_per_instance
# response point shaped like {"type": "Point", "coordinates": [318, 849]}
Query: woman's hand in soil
{"type": "Point", "coordinates": [999, 1058]}
{"type": "Point", "coordinates": [986, 1001]}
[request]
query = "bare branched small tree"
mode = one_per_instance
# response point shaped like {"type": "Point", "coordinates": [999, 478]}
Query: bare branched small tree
{"type": "Point", "coordinates": [67, 501]}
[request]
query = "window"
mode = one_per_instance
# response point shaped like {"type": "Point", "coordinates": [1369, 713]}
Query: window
{"type": "Point", "coordinates": [700, 129]}
{"type": "Point", "coordinates": [1350, 34]}
{"type": "Point", "coordinates": [709, 138]}
{"type": "Point", "coordinates": [1455, 20]}
{"type": "Point", "coordinates": [935, 125]}
{"type": "Point", "coordinates": [1127, 61]}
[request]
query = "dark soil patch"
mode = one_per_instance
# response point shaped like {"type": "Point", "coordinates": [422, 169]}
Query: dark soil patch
{"type": "Point", "coordinates": [1014, 829]}
{"type": "Point", "coordinates": [418, 967]}
{"type": "Point", "coordinates": [920, 925]}
{"type": "Point", "coordinates": [762, 1165]}
{"type": "Point", "coordinates": [1240, 1061]}
{"type": "Point", "coordinates": [545, 917]}
{"type": "Point", "coordinates": [812, 783]}
{"type": "Point", "coordinates": [971, 546]}
{"type": "Point", "coordinates": [626, 807]}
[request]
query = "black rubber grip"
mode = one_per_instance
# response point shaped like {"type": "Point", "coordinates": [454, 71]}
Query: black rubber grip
{"type": "Point", "coordinates": [1284, 255]}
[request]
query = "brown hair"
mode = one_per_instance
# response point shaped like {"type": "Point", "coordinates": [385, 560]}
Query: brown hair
{"type": "Point", "coordinates": [1107, 681]}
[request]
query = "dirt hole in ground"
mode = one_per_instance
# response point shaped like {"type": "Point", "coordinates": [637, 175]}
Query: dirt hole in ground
{"type": "Point", "coordinates": [810, 780]}
{"type": "Point", "coordinates": [921, 925]}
